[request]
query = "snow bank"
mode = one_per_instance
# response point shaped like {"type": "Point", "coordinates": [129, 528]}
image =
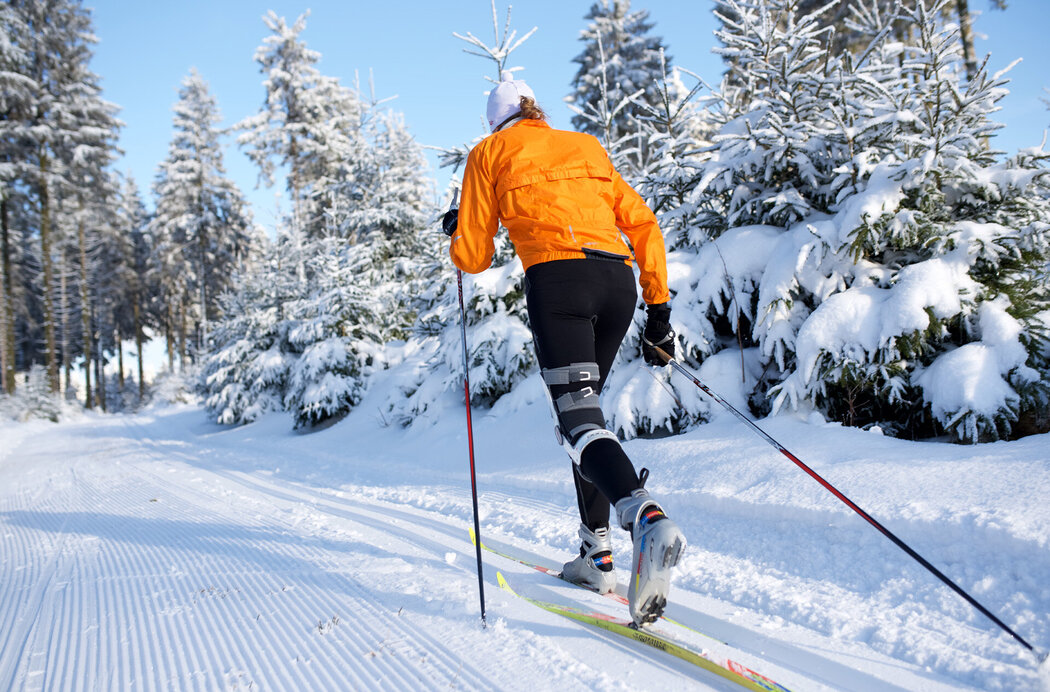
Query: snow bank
{"type": "Point", "coordinates": [858, 323]}
{"type": "Point", "coordinates": [970, 385]}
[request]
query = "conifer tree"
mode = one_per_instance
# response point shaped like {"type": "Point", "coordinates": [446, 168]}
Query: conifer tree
{"type": "Point", "coordinates": [67, 134]}
{"type": "Point", "coordinates": [246, 371]}
{"type": "Point", "coordinates": [308, 340]}
{"type": "Point", "coordinates": [16, 90]}
{"type": "Point", "coordinates": [136, 272]}
{"type": "Point", "coordinates": [333, 335]}
{"type": "Point", "coordinates": [898, 249]}
{"type": "Point", "coordinates": [306, 122]}
{"type": "Point", "coordinates": [619, 69]}
{"type": "Point", "coordinates": [87, 225]}
{"type": "Point", "coordinates": [202, 226]}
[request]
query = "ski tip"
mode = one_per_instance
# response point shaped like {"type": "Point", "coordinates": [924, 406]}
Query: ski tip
{"type": "Point", "coordinates": [503, 582]}
{"type": "Point", "coordinates": [474, 537]}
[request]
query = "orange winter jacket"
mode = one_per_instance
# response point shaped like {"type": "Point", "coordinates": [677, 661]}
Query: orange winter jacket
{"type": "Point", "coordinates": [559, 197]}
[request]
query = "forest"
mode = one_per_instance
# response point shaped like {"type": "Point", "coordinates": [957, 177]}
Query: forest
{"type": "Point", "coordinates": [843, 238]}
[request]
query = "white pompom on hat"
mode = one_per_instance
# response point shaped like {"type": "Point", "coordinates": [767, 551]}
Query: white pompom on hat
{"type": "Point", "coordinates": [505, 99]}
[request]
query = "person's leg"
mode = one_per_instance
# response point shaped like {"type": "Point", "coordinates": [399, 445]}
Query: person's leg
{"type": "Point", "coordinates": [561, 300]}
{"type": "Point", "coordinates": [579, 311]}
{"type": "Point", "coordinates": [604, 462]}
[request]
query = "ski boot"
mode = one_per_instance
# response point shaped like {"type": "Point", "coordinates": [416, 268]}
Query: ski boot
{"type": "Point", "coordinates": [658, 545]}
{"type": "Point", "coordinates": [593, 569]}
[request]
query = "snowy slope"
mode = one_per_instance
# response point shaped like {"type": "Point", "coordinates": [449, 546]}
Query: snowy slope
{"type": "Point", "coordinates": [160, 551]}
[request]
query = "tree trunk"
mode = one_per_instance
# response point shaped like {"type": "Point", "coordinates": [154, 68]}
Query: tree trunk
{"type": "Point", "coordinates": [202, 272]}
{"type": "Point", "coordinates": [45, 259]}
{"type": "Point", "coordinates": [182, 336]}
{"type": "Point", "coordinates": [297, 224]}
{"type": "Point", "coordinates": [7, 322]}
{"type": "Point", "coordinates": [136, 311]}
{"type": "Point", "coordinates": [169, 335]}
{"type": "Point", "coordinates": [67, 360]}
{"type": "Point", "coordinates": [966, 36]}
{"type": "Point", "coordinates": [85, 304]}
{"type": "Point", "coordinates": [203, 343]}
{"type": "Point", "coordinates": [100, 369]}
{"type": "Point", "coordinates": [120, 360]}
{"type": "Point", "coordinates": [4, 377]}
{"type": "Point", "coordinates": [100, 390]}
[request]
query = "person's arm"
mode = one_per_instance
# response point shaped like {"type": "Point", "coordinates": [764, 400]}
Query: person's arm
{"type": "Point", "coordinates": [638, 223]}
{"type": "Point", "coordinates": [472, 243]}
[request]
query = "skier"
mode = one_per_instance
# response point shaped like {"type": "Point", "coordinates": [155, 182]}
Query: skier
{"type": "Point", "coordinates": [565, 206]}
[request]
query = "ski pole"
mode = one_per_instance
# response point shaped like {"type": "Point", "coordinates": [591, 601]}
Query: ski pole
{"type": "Point", "coordinates": [849, 503]}
{"type": "Point", "coordinates": [470, 428]}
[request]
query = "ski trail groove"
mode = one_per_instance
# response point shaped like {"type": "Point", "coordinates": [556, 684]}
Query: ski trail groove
{"type": "Point", "coordinates": [160, 583]}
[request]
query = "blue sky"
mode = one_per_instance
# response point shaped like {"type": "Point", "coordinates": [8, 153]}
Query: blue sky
{"type": "Point", "coordinates": [145, 49]}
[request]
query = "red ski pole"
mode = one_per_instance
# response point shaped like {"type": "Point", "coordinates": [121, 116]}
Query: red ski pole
{"type": "Point", "coordinates": [849, 503]}
{"type": "Point", "coordinates": [470, 429]}
{"type": "Point", "coordinates": [470, 441]}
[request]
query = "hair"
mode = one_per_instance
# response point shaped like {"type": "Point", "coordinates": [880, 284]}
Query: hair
{"type": "Point", "coordinates": [530, 110]}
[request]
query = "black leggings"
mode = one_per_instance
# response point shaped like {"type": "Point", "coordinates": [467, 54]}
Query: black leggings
{"type": "Point", "coordinates": [579, 310]}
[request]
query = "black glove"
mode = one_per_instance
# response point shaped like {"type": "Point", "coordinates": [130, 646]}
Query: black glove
{"type": "Point", "coordinates": [450, 221]}
{"type": "Point", "coordinates": [658, 332]}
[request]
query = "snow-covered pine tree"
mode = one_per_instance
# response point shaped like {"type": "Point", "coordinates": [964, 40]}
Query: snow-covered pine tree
{"type": "Point", "coordinates": [619, 66]}
{"type": "Point", "coordinates": [246, 372]}
{"type": "Point", "coordinates": [202, 225]}
{"type": "Point", "coordinates": [304, 347]}
{"type": "Point", "coordinates": [380, 202]}
{"type": "Point", "coordinates": [85, 229]}
{"type": "Point", "coordinates": [641, 400]}
{"type": "Point", "coordinates": [897, 246]}
{"type": "Point", "coordinates": [773, 164]}
{"type": "Point", "coordinates": [109, 295]}
{"type": "Point", "coordinates": [333, 335]}
{"type": "Point", "coordinates": [360, 198]}
{"type": "Point", "coordinates": [67, 122]}
{"type": "Point", "coordinates": [136, 273]}
{"type": "Point", "coordinates": [307, 122]}
{"type": "Point", "coordinates": [16, 90]}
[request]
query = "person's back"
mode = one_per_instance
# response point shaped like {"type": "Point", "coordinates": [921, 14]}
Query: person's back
{"type": "Point", "coordinates": [555, 191]}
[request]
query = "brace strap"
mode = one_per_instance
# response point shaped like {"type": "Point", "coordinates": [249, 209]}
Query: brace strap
{"type": "Point", "coordinates": [575, 372]}
{"type": "Point", "coordinates": [574, 401]}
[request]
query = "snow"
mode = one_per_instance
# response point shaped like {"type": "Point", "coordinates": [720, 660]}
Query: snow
{"type": "Point", "coordinates": [161, 551]}
{"type": "Point", "coordinates": [967, 378]}
{"type": "Point", "coordinates": [859, 321]}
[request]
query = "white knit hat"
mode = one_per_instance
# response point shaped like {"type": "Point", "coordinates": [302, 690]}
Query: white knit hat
{"type": "Point", "coordinates": [505, 99]}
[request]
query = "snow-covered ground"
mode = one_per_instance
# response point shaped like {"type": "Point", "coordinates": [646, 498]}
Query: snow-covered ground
{"type": "Point", "coordinates": [160, 551]}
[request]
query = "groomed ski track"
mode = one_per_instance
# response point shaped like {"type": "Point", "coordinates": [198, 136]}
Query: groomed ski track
{"type": "Point", "coordinates": [159, 552]}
